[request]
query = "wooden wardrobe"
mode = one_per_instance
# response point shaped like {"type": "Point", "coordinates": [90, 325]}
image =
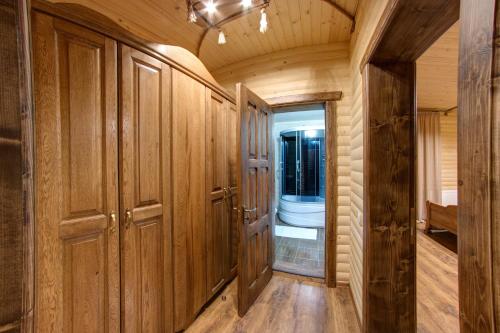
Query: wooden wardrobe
{"type": "Point", "coordinates": [135, 162]}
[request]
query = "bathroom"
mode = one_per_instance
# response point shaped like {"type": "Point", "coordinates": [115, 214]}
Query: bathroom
{"type": "Point", "coordinates": [299, 142]}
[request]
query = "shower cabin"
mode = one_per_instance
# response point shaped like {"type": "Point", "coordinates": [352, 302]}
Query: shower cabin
{"type": "Point", "coordinates": [302, 164]}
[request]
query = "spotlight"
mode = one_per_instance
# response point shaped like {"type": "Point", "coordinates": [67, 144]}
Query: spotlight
{"type": "Point", "coordinates": [210, 7]}
{"type": "Point", "coordinates": [222, 37]}
{"type": "Point", "coordinates": [263, 20]}
{"type": "Point", "coordinates": [246, 3]}
{"type": "Point", "coordinates": [191, 14]}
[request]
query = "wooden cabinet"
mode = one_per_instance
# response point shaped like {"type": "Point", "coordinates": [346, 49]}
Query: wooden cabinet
{"type": "Point", "coordinates": [135, 185]}
{"type": "Point", "coordinates": [221, 197]}
{"type": "Point", "coordinates": [188, 157]}
{"type": "Point", "coordinates": [145, 193]}
{"type": "Point", "coordinates": [204, 148]}
{"type": "Point", "coordinates": [77, 235]}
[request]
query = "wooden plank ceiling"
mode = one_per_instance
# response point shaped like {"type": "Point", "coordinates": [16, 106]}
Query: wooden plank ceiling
{"type": "Point", "coordinates": [437, 73]}
{"type": "Point", "coordinates": [292, 23]}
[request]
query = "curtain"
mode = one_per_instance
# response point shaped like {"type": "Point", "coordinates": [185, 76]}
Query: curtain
{"type": "Point", "coordinates": [428, 161]}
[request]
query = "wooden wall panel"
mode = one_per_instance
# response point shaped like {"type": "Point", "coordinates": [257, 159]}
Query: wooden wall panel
{"type": "Point", "coordinates": [11, 171]}
{"type": "Point", "coordinates": [389, 238]}
{"type": "Point", "coordinates": [188, 156]}
{"type": "Point", "coordinates": [312, 69]}
{"type": "Point", "coordinates": [405, 32]}
{"type": "Point", "coordinates": [448, 124]}
{"type": "Point", "coordinates": [369, 13]}
{"type": "Point", "coordinates": [76, 178]}
{"type": "Point", "coordinates": [479, 167]}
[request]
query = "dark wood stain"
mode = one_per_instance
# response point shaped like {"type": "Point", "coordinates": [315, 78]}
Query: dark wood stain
{"type": "Point", "coordinates": [408, 28]}
{"type": "Point", "coordinates": [331, 195]}
{"type": "Point", "coordinates": [389, 238]}
{"type": "Point", "coordinates": [478, 167]}
{"type": "Point", "coordinates": [16, 266]}
{"type": "Point", "coordinates": [405, 31]}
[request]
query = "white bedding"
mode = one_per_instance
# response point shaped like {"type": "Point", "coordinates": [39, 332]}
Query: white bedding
{"type": "Point", "coordinates": [449, 197]}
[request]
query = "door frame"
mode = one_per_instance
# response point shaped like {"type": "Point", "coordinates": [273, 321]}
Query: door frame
{"type": "Point", "coordinates": [328, 99]}
{"type": "Point", "coordinates": [389, 272]}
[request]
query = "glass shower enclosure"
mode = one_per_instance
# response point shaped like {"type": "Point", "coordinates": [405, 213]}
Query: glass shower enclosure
{"type": "Point", "coordinates": [302, 200]}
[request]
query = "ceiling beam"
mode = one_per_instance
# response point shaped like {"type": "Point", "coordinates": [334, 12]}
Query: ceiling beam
{"type": "Point", "coordinates": [340, 9]}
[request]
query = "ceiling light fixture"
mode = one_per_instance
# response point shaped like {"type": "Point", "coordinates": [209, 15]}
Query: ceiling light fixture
{"type": "Point", "coordinates": [210, 6]}
{"type": "Point", "coordinates": [222, 37]}
{"type": "Point", "coordinates": [263, 20]}
{"type": "Point", "coordinates": [191, 13]}
{"type": "Point", "coordinates": [246, 3]}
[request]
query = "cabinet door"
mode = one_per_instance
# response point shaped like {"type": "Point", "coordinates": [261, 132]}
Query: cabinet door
{"type": "Point", "coordinates": [77, 273]}
{"type": "Point", "coordinates": [232, 136]}
{"type": "Point", "coordinates": [217, 229]}
{"type": "Point", "coordinates": [188, 156]}
{"type": "Point", "coordinates": [145, 185]}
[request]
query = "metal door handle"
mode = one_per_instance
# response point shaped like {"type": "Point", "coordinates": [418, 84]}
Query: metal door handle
{"type": "Point", "coordinates": [128, 218]}
{"type": "Point", "coordinates": [112, 226]}
{"type": "Point", "coordinates": [246, 213]}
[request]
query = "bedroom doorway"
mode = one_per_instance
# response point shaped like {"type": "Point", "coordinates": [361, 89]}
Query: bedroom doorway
{"type": "Point", "coordinates": [437, 185]}
{"type": "Point", "coordinates": [300, 188]}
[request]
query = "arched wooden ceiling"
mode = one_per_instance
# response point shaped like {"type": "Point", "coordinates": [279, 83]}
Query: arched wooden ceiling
{"type": "Point", "coordinates": [292, 23]}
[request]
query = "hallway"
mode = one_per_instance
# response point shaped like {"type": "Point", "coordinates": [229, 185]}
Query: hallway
{"type": "Point", "coordinates": [289, 305]}
{"type": "Point", "coordinates": [286, 305]}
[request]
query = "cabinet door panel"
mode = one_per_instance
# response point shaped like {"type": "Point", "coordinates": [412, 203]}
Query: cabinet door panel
{"type": "Point", "coordinates": [232, 176]}
{"type": "Point", "coordinates": [145, 186]}
{"type": "Point", "coordinates": [77, 277]}
{"type": "Point", "coordinates": [217, 208]}
{"type": "Point", "coordinates": [188, 155]}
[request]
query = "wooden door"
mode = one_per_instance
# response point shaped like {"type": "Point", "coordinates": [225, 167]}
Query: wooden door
{"type": "Point", "coordinates": [217, 227]}
{"type": "Point", "coordinates": [146, 280]}
{"type": "Point", "coordinates": [232, 186]}
{"type": "Point", "coordinates": [256, 183]}
{"type": "Point", "coordinates": [77, 243]}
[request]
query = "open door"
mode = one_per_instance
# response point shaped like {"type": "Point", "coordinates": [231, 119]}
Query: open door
{"type": "Point", "coordinates": [256, 187]}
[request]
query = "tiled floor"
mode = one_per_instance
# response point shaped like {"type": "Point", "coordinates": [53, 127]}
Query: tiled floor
{"type": "Point", "coordinates": [300, 256]}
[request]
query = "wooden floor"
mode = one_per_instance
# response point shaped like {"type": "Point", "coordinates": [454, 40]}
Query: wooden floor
{"type": "Point", "coordinates": [437, 286]}
{"type": "Point", "coordinates": [286, 305]}
{"type": "Point", "coordinates": [290, 305]}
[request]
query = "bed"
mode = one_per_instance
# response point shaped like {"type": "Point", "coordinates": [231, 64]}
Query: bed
{"type": "Point", "coordinates": [443, 216]}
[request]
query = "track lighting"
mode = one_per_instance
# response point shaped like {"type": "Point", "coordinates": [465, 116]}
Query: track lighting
{"type": "Point", "coordinates": [210, 6]}
{"type": "Point", "coordinates": [246, 3]}
{"type": "Point", "coordinates": [222, 37]}
{"type": "Point", "coordinates": [263, 20]}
